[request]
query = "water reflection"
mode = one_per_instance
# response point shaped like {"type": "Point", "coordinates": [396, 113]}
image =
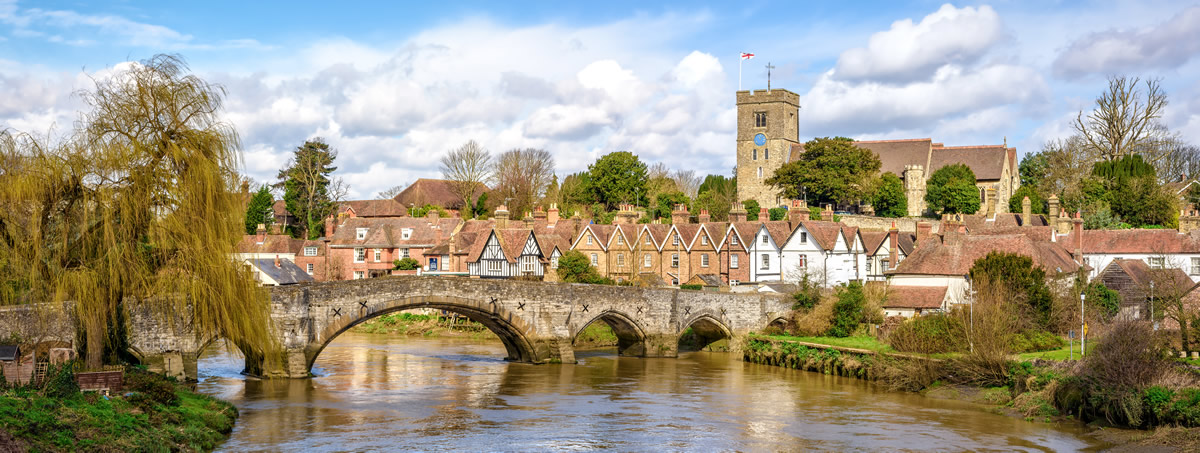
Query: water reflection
{"type": "Point", "coordinates": [378, 392]}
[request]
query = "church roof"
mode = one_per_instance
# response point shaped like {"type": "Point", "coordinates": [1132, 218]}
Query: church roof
{"type": "Point", "coordinates": [986, 161]}
{"type": "Point", "coordinates": [438, 192]}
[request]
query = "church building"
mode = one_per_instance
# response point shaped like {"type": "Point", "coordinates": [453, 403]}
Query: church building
{"type": "Point", "coordinates": [768, 137]}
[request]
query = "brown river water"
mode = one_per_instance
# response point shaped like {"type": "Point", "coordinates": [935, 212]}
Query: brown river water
{"type": "Point", "coordinates": [387, 393]}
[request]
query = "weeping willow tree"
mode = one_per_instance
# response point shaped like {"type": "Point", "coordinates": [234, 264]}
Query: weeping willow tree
{"type": "Point", "coordinates": [136, 208]}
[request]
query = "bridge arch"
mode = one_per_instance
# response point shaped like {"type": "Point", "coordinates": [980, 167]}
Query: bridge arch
{"type": "Point", "coordinates": [707, 327]}
{"type": "Point", "coordinates": [631, 337]}
{"type": "Point", "coordinates": [513, 331]}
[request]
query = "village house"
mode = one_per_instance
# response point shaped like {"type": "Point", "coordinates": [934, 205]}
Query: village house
{"type": "Point", "coordinates": [277, 272]}
{"type": "Point", "coordinates": [1138, 284]}
{"type": "Point", "coordinates": [364, 247]}
{"type": "Point", "coordinates": [508, 253]}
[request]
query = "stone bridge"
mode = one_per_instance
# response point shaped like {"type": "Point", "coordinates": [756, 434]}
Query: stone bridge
{"type": "Point", "coordinates": [536, 321]}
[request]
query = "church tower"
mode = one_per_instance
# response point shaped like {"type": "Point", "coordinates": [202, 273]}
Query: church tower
{"type": "Point", "coordinates": [767, 127]}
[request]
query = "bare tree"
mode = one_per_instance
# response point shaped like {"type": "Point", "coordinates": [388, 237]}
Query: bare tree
{"type": "Point", "coordinates": [1125, 119]}
{"type": "Point", "coordinates": [686, 181]}
{"type": "Point", "coordinates": [339, 190]}
{"type": "Point", "coordinates": [467, 168]}
{"type": "Point", "coordinates": [1168, 298]}
{"type": "Point", "coordinates": [392, 192]}
{"type": "Point", "coordinates": [522, 176]}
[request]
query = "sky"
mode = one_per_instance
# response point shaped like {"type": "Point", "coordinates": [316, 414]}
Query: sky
{"type": "Point", "coordinates": [394, 85]}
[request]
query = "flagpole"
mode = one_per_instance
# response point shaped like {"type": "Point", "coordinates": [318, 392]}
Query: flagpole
{"type": "Point", "coordinates": [740, 60]}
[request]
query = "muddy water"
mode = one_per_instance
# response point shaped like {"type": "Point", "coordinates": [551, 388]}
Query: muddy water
{"type": "Point", "coordinates": [379, 392]}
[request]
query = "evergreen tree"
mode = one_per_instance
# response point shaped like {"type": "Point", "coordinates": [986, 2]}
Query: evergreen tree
{"type": "Point", "coordinates": [260, 211]}
{"type": "Point", "coordinates": [1037, 205]}
{"type": "Point", "coordinates": [619, 177]}
{"type": "Point", "coordinates": [1020, 277]}
{"type": "Point", "coordinates": [305, 183]}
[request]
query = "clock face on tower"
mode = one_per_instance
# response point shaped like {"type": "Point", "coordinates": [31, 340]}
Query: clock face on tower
{"type": "Point", "coordinates": [760, 139]}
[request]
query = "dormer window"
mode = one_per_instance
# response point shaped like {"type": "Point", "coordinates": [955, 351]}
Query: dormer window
{"type": "Point", "coordinates": [406, 233]}
{"type": "Point", "coordinates": [360, 233]}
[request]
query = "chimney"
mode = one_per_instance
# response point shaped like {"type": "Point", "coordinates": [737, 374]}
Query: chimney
{"type": "Point", "coordinates": [797, 213]}
{"type": "Point", "coordinates": [1052, 211]}
{"type": "Point", "coordinates": [528, 220]}
{"type": "Point", "coordinates": [680, 215]}
{"type": "Point", "coordinates": [737, 213]}
{"type": "Point", "coordinates": [1064, 222]}
{"type": "Point", "coordinates": [764, 214]}
{"type": "Point", "coordinates": [260, 235]}
{"type": "Point", "coordinates": [276, 260]}
{"type": "Point", "coordinates": [539, 214]}
{"type": "Point", "coordinates": [329, 226]}
{"type": "Point", "coordinates": [704, 217]}
{"type": "Point", "coordinates": [1077, 241]}
{"type": "Point", "coordinates": [924, 232]}
{"type": "Point", "coordinates": [501, 216]}
{"type": "Point", "coordinates": [625, 215]}
{"type": "Point", "coordinates": [894, 243]}
{"type": "Point", "coordinates": [1026, 212]}
{"type": "Point", "coordinates": [991, 202]}
{"type": "Point", "coordinates": [552, 215]}
{"type": "Point", "coordinates": [432, 216]}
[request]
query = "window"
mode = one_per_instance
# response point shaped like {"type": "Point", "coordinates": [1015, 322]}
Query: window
{"type": "Point", "coordinates": [733, 239]}
{"type": "Point", "coordinates": [760, 119]}
{"type": "Point", "coordinates": [754, 154]}
{"type": "Point", "coordinates": [595, 259]}
{"type": "Point", "coordinates": [675, 240]}
{"type": "Point", "coordinates": [883, 265]}
{"type": "Point", "coordinates": [647, 240]}
{"type": "Point", "coordinates": [405, 233]}
{"type": "Point", "coordinates": [378, 255]}
{"type": "Point", "coordinates": [703, 240]}
{"type": "Point", "coordinates": [760, 172]}
{"type": "Point", "coordinates": [869, 262]}
{"type": "Point", "coordinates": [764, 239]}
{"type": "Point", "coordinates": [554, 262]}
{"type": "Point", "coordinates": [360, 255]}
{"type": "Point", "coordinates": [674, 260]}
{"type": "Point", "coordinates": [674, 281]}
{"type": "Point", "coordinates": [310, 251]}
{"type": "Point", "coordinates": [494, 266]}
{"type": "Point", "coordinates": [620, 259]}
{"type": "Point", "coordinates": [704, 260]}
{"type": "Point", "coordinates": [620, 240]}
{"type": "Point", "coordinates": [588, 240]}
{"type": "Point", "coordinates": [766, 261]}
{"type": "Point", "coordinates": [309, 268]}
{"type": "Point", "coordinates": [1195, 266]}
{"type": "Point", "coordinates": [733, 282]}
{"type": "Point", "coordinates": [803, 261]}
{"type": "Point", "coordinates": [1155, 262]}
{"type": "Point", "coordinates": [766, 154]}
{"type": "Point", "coordinates": [646, 260]}
{"type": "Point", "coordinates": [803, 237]}
{"type": "Point", "coordinates": [733, 261]}
{"type": "Point", "coordinates": [360, 233]}
{"type": "Point", "coordinates": [527, 263]}
{"type": "Point", "coordinates": [358, 275]}
{"type": "Point", "coordinates": [446, 262]}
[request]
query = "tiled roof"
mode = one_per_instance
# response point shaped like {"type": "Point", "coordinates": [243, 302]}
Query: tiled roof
{"type": "Point", "coordinates": [824, 233]}
{"type": "Point", "coordinates": [779, 231]}
{"type": "Point", "coordinates": [745, 232]}
{"type": "Point", "coordinates": [437, 192]}
{"type": "Point", "coordinates": [907, 242]}
{"type": "Point", "coordinates": [850, 233]}
{"type": "Point", "coordinates": [387, 232]}
{"type": "Point", "coordinates": [1138, 241]}
{"type": "Point", "coordinates": [287, 273]}
{"type": "Point", "coordinates": [915, 296]}
{"type": "Point", "coordinates": [958, 252]}
{"type": "Point", "coordinates": [872, 240]}
{"type": "Point", "coordinates": [320, 246]}
{"type": "Point", "coordinates": [978, 222]}
{"type": "Point", "coordinates": [280, 208]}
{"type": "Point", "coordinates": [687, 234]}
{"type": "Point", "coordinates": [709, 279]}
{"type": "Point", "coordinates": [512, 240]}
{"type": "Point", "coordinates": [658, 233]}
{"type": "Point", "coordinates": [272, 243]}
{"type": "Point", "coordinates": [376, 208]}
{"type": "Point", "coordinates": [716, 232]}
{"type": "Point", "coordinates": [987, 162]}
{"type": "Point", "coordinates": [895, 154]}
{"type": "Point", "coordinates": [1142, 275]}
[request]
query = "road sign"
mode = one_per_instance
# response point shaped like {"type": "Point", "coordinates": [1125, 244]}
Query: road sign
{"type": "Point", "coordinates": [1085, 329]}
{"type": "Point", "coordinates": [1071, 334]}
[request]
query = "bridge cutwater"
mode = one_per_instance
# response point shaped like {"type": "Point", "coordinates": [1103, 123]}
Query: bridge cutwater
{"type": "Point", "coordinates": [536, 321]}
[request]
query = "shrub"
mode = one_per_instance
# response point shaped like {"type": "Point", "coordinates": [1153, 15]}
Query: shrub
{"type": "Point", "coordinates": [807, 296]}
{"type": "Point", "coordinates": [406, 264]}
{"type": "Point", "coordinates": [847, 311]}
{"type": "Point", "coordinates": [777, 213]}
{"type": "Point", "coordinates": [1034, 341]}
{"type": "Point", "coordinates": [930, 334]}
{"type": "Point", "coordinates": [1104, 300]}
{"type": "Point", "coordinates": [817, 320]}
{"type": "Point", "coordinates": [1023, 281]}
{"type": "Point", "coordinates": [60, 381]}
{"type": "Point", "coordinates": [150, 388]}
{"type": "Point", "coordinates": [692, 287]}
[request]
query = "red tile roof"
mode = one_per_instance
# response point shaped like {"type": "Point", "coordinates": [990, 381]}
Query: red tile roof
{"type": "Point", "coordinates": [387, 232]}
{"type": "Point", "coordinates": [272, 243]}
{"type": "Point", "coordinates": [956, 253]}
{"type": "Point", "coordinates": [824, 233]}
{"type": "Point", "coordinates": [1137, 241]}
{"type": "Point", "coordinates": [375, 208]}
{"type": "Point", "coordinates": [437, 192]}
{"type": "Point", "coordinates": [987, 162]}
{"type": "Point", "coordinates": [915, 296]}
{"type": "Point", "coordinates": [977, 222]}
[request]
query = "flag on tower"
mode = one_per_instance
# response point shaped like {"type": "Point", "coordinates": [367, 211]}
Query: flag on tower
{"type": "Point", "coordinates": [747, 56]}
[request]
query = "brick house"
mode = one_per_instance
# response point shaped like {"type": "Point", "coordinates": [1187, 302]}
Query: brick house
{"type": "Point", "coordinates": [363, 247]}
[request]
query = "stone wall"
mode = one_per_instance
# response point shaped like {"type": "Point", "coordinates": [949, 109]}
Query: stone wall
{"type": "Point", "coordinates": [904, 224]}
{"type": "Point", "coordinates": [36, 324]}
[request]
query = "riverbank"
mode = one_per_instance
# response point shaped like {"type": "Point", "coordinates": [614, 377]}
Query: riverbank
{"type": "Point", "coordinates": [1035, 389]}
{"type": "Point", "coordinates": [595, 335]}
{"type": "Point", "coordinates": [153, 414]}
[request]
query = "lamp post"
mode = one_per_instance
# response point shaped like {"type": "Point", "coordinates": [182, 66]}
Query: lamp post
{"type": "Point", "coordinates": [411, 209]}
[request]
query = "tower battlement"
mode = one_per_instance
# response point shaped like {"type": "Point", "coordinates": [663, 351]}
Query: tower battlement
{"type": "Point", "coordinates": [764, 96]}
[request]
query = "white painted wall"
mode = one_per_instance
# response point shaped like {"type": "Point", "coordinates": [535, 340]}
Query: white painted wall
{"type": "Point", "coordinates": [1183, 261]}
{"type": "Point", "coordinates": [771, 273]}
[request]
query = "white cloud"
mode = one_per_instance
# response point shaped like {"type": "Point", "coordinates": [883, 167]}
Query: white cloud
{"type": "Point", "coordinates": [909, 51]}
{"type": "Point", "coordinates": [66, 27]}
{"type": "Point", "coordinates": [1165, 45]}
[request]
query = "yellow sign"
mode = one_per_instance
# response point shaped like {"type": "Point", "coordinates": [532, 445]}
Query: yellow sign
{"type": "Point", "coordinates": [1085, 329]}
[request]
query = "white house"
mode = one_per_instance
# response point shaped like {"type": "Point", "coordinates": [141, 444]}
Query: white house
{"type": "Point", "coordinates": [764, 251]}
{"type": "Point", "coordinates": [1158, 248]}
{"type": "Point", "coordinates": [507, 253]}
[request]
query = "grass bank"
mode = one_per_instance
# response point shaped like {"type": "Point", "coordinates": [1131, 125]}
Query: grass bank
{"type": "Point", "coordinates": [422, 325]}
{"type": "Point", "coordinates": [154, 414]}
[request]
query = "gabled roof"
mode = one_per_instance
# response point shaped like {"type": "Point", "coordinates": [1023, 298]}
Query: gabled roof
{"type": "Point", "coordinates": [850, 233]}
{"type": "Point", "coordinates": [707, 280]}
{"type": "Point", "coordinates": [287, 273]}
{"type": "Point", "coordinates": [987, 162]}
{"type": "Point", "coordinates": [628, 234]}
{"type": "Point", "coordinates": [687, 234]}
{"type": "Point", "coordinates": [745, 231]}
{"type": "Point", "coordinates": [601, 233]}
{"type": "Point", "coordinates": [1138, 241]}
{"type": "Point", "coordinates": [658, 234]}
{"type": "Point", "coordinates": [977, 223]}
{"type": "Point", "coordinates": [387, 232]}
{"type": "Point", "coordinates": [779, 230]}
{"type": "Point", "coordinates": [872, 240]}
{"type": "Point", "coordinates": [915, 296]}
{"type": "Point", "coordinates": [375, 208]}
{"type": "Point", "coordinates": [1142, 275]}
{"type": "Point", "coordinates": [895, 154]}
{"type": "Point", "coordinates": [824, 233]}
{"type": "Point", "coordinates": [272, 243]}
{"type": "Point", "coordinates": [712, 230]}
{"type": "Point", "coordinates": [513, 240]}
{"type": "Point", "coordinates": [437, 192]}
{"type": "Point", "coordinates": [958, 252]}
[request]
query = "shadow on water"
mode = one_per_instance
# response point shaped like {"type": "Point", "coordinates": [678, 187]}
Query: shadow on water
{"type": "Point", "coordinates": [377, 392]}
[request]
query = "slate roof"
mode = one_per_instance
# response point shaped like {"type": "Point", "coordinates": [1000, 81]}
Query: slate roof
{"type": "Point", "coordinates": [288, 273]}
{"type": "Point", "coordinates": [895, 154]}
{"type": "Point", "coordinates": [915, 296]}
{"type": "Point", "coordinates": [956, 253]}
{"type": "Point", "coordinates": [272, 243]}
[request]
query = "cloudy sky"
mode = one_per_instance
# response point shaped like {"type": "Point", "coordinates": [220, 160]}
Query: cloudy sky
{"type": "Point", "coordinates": [393, 86]}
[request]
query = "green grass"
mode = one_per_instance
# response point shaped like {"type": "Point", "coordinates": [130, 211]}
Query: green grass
{"type": "Point", "coordinates": [861, 342]}
{"type": "Point", "coordinates": [1063, 353]}
{"type": "Point", "coordinates": [88, 421]}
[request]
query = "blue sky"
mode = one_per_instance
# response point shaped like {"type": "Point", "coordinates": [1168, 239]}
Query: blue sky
{"type": "Point", "coordinates": [392, 86]}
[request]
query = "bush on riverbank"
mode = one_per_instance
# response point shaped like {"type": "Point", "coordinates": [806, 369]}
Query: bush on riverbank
{"type": "Point", "coordinates": [53, 418]}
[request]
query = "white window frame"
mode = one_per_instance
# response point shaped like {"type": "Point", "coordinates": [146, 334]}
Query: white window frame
{"type": "Point", "coordinates": [1156, 262]}
{"type": "Point", "coordinates": [406, 233]}
{"type": "Point", "coordinates": [703, 240]}
{"type": "Point", "coordinates": [621, 259]}
{"type": "Point", "coordinates": [766, 261]}
{"type": "Point", "coordinates": [403, 253]}
{"type": "Point", "coordinates": [703, 260]}
{"type": "Point", "coordinates": [527, 263]}
{"type": "Point", "coordinates": [378, 255]}
{"type": "Point", "coordinates": [764, 239]}
{"type": "Point", "coordinates": [308, 268]}
{"type": "Point", "coordinates": [646, 260]}
{"type": "Point", "coordinates": [675, 240]}
{"type": "Point", "coordinates": [495, 266]}
{"type": "Point", "coordinates": [595, 259]}
{"type": "Point", "coordinates": [675, 260]}
{"type": "Point", "coordinates": [734, 282]}
{"type": "Point", "coordinates": [803, 237]}
{"type": "Point", "coordinates": [554, 262]}
{"type": "Point", "coordinates": [359, 275]}
{"type": "Point", "coordinates": [1195, 270]}
{"type": "Point", "coordinates": [869, 266]}
{"type": "Point", "coordinates": [588, 239]}
{"type": "Point", "coordinates": [733, 239]}
{"type": "Point", "coordinates": [803, 261]}
{"type": "Point", "coordinates": [360, 233]}
{"type": "Point", "coordinates": [647, 239]}
{"type": "Point", "coordinates": [884, 265]}
{"type": "Point", "coordinates": [445, 262]}
{"type": "Point", "coordinates": [360, 254]}
{"type": "Point", "coordinates": [310, 251]}
{"type": "Point", "coordinates": [733, 261]}
{"type": "Point", "coordinates": [620, 240]}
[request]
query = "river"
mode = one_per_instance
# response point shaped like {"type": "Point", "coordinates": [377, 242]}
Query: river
{"type": "Point", "coordinates": [380, 392]}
